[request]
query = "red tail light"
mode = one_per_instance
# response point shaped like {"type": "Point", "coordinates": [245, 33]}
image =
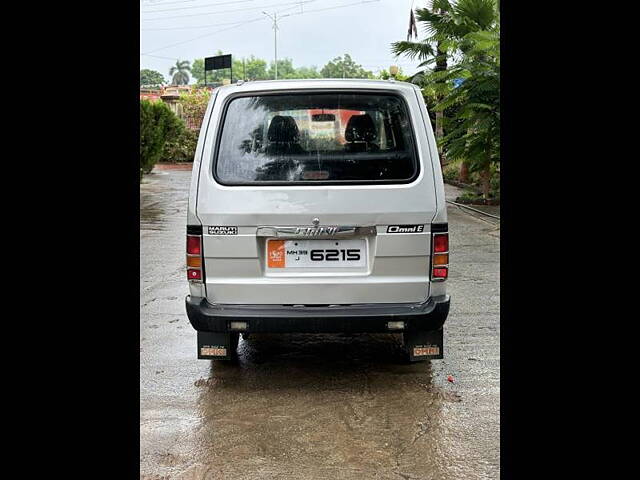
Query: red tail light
{"type": "Point", "coordinates": [194, 258]}
{"type": "Point", "coordinates": [193, 244]}
{"type": "Point", "coordinates": [440, 254]}
{"type": "Point", "coordinates": [194, 274]}
{"type": "Point", "coordinates": [440, 242]}
{"type": "Point", "coordinates": [440, 273]}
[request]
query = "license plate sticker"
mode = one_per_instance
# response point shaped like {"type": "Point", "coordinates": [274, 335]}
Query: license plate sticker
{"type": "Point", "coordinates": [317, 253]}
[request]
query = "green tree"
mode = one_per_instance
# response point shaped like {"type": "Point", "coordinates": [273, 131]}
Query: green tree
{"type": "Point", "coordinates": [197, 71]}
{"type": "Point", "coordinates": [180, 72]}
{"type": "Point", "coordinates": [385, 75]}
{"type": "Point", "coordinates": [308, 72]}
{"type": "Point", "coordinates": [446, 23]}
{"type": "Point", "coordinates": [213, 76]}
{"type": "Point", "coordinates": [344, 67]}
{"type": "Point", "coordinates": [474, 136]}
{"type": "Point", "coordinates": [255, 68]}
{"type": "Point", "coordinates": [285, 69]}
{"type": "Point", "coordinates": [151, 78]}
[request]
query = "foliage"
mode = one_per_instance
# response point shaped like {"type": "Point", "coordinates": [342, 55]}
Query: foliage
{"type": "Point", "coordinates": [385, 75]}
{"type": "Point", "coordinates": [470, 197]}
{"type": "Point", "coordinates": [158, 124]}
{"type": "Point", "coordinates": [182, 147]}
{"type": "Point", "coordinates": [197, 71]}
{"type": "Point", "coordinates": [194, 104]}
{"type": "Point", "coordinates": [450, 171]}
{"type": "Point", "coordinates": [476, 135]}
{"type": "Point", "coordinates": [253, 69]}
{"type": "Point", "coordinates": [446, 23]}
{"type": "Point", "coordinates": [180, 72]}
{"type": "Point", "coordinates": [344, 67]}
{"type": "Point", "coordinates": [466, 34]}
{"type": "Point", "coordinates": [307, 72]}
{"type": "Point", "coordinates": [285, 69]}
{"type": "Point", "coordinates": [151, 78]}
{"type": "Point", "coordinates": [259, 69]}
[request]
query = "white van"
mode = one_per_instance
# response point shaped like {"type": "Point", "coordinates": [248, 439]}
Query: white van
{"type": "Point", "coordinates": [317, 206]}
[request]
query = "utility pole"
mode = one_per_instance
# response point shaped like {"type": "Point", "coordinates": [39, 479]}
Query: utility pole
{"type": "Point", "coordinates": [275, 38]}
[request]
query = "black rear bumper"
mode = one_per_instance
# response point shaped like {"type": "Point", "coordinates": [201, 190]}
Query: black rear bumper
{"type": "Point", "coordinates": [417, 317]}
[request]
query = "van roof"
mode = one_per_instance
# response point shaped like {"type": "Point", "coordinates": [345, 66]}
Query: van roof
{"type": "Point", "coordinates": [311, 83]}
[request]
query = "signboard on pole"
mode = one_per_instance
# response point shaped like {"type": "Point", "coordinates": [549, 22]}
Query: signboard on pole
{"type": "Point", "coordinates": [217, 63]}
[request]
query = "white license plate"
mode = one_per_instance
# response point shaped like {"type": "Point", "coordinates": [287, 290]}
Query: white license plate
{"type": "Point", "coordinates": [316, 253]}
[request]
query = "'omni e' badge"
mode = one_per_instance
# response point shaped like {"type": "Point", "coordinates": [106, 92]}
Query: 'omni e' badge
{"type": "Point", "coordinates": [405, 229]}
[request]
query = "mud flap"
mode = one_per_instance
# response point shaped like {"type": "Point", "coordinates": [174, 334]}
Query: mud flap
{"type": "Point", "coordinates": [424, 345]}
{"type": "Point", "coordinates": [215, 346]}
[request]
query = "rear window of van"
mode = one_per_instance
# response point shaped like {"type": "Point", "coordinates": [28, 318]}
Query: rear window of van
{"type": "Point", "coordinates": [327, 138]}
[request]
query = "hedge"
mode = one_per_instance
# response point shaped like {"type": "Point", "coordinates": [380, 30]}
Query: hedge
{"type": "Point", "coordinates": [158, 124]}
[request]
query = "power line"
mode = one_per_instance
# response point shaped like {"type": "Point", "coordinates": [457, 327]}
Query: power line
{"type": "Point", "coordinates": [214, 24]}
{"type": "Point", "coordinates": [203, 36]}
{"type": "Point", "coordinates": [159, 4]}
{"type": "Point", "coordinates": [188, 28]}
{"type": "Point", "coordinates": [158, 56]}
{"type": "Point", "coordinates": [333, 8]}
{"type": "Point", "coordinates": [196, 6]}
{"type": "Point", "coordinates": [262, 18]}
{"type": "Point", "coordinates": [213, 33]}
{"type": "Point", "coordinates": [228, 11]}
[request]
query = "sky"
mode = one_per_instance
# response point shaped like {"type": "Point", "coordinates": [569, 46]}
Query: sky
{"type": "Point", "coordinates": [313, 33]}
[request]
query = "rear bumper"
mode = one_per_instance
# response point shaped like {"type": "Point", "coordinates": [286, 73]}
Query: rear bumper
{"type": "Point", "coordinates": [418, 317]}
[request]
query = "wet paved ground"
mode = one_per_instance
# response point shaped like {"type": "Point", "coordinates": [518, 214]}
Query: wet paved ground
{"type": "Point", "coordinates": [315, 407]}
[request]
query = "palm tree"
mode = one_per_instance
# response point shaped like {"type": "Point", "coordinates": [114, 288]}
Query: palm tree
{"type": "Point", "coordinates": [446, 23]}
{"type": "Point", "coordinates": [179, 72]}
{"type": "Point", "coordinates": [474, 137]}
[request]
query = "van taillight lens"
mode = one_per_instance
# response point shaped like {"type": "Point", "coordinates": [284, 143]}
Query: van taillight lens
{"type": "Point", "coordinates": [440, 259]}
{"type": "Point", "coordinates": [440, 242]}
{"type": "Point", "coordinates": [194, 261]}
{"type": "Point", "coordinates": [194, 258]}
{"type": "Point", "coordinates": [440, 256]}
{"type": "Point", "coordinates": [193, 244]}
{"type": "Point", "coordinates": [194, 274]}
{"type": "Point", "coordinates": [440, 273]}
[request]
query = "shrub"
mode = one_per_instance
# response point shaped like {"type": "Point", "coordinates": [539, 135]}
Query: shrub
{"type": "Point", "coordinates": [450, 171]}
{"type": "Point", "coordinates": [495, 185]}
{"type": "Point", "coordinates": [194, 105]}
{"type": "Point", "coordinates": [158, 124]}
{"type": "Point", "coordinates": [471, 197]}
{"type": "Point", "coordinates": [182, 148]}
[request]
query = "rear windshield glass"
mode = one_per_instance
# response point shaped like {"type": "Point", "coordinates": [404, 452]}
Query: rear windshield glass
{"type": "Point", "coordinates": [316, 138]}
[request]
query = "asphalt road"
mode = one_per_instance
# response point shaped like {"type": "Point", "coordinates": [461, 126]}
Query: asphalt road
{"type": "Point", "coordinates": [315, 407]}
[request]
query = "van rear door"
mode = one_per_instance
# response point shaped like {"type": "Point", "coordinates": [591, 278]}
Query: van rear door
{"type": "Point", "coordinates": [317, 198]}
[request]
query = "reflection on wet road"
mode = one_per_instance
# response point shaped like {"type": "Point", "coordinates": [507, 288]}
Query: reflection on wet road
{"type": "Point", "coordinates": [315, 406]}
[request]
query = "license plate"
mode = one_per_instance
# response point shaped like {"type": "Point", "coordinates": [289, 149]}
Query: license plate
{"type": "Point", "coordinates": [316, 253]}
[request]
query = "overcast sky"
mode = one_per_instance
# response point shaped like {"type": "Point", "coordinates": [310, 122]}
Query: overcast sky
{"type": "Point", "coordinates": [189, 29]}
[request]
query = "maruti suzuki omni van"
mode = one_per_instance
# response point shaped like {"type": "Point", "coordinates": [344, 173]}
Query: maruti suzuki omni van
{"type": "Point", "coordinates": [317, 206]}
